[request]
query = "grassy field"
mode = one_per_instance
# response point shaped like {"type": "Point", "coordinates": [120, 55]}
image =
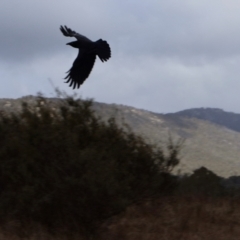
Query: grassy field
{"type": "Point", "coordinates": [170, 218]}
{"type": "Point", "coordinates": [166, 218]}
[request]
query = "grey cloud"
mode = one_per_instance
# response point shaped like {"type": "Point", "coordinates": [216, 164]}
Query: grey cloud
{"type": "Point", "coordinates": [31, 29]}
{"type": "Point", "coordinates": [166, 29]}
{"type": "Point", "coordinates": [162, 51]}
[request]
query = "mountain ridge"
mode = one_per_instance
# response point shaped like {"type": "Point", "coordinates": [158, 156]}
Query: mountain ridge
{"type": "Point", "coordinates": [218, 116]}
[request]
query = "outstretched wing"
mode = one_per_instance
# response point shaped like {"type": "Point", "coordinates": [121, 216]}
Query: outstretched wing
{"type": "Point", "coordinates": [82, 67]}
{"type": "Point", "coordinates": [68, 32]}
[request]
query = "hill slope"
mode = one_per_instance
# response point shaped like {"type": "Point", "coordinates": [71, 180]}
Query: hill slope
{"type": "Point", "coordinates": [211, 136]}
{"type": "Point", "coordinates": [205, 143]}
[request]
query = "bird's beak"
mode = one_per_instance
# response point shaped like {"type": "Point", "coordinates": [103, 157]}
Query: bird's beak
{"type": "Point", "coordinates": [73, 44]}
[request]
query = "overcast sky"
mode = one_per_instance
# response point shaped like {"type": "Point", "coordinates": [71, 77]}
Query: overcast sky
{"type": "Point", "coordinates": [166, 55]}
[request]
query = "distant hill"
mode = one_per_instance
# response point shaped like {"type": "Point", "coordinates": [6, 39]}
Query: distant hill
{"type": "Point", "coordinates": [211, 136]}
{"type": "Point", "coordinates": [214, 115]}
{"type": "Point", "coordinates": [205, 143]}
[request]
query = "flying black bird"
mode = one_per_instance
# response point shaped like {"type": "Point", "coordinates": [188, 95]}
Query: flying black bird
{"type": "Point", "coordinates": [83, 64]}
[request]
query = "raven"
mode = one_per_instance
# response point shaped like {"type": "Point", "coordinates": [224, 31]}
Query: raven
{"type": "Point", "coordinates": [83, 64]}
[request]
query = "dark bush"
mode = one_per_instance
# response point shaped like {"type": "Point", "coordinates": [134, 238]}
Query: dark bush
{"type": "Point", "coordinates": [65, 167]}
{"type": "Point", "coordinates": [202, 182]}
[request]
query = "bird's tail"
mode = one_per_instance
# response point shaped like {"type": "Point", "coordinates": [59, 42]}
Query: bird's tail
{"type": "Point", "coordinates": [103, 50]}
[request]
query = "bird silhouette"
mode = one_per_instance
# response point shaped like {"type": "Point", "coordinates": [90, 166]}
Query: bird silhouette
{"type": "Point", "coordinates": [88, 50]}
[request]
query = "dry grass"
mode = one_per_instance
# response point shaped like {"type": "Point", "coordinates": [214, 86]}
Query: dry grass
{"type": "Point", "coordinates": [187, 218]}
{"type": "Point", "coordinates": [35, 233]}
{"type": "Point", "coordinates": [168, 218]}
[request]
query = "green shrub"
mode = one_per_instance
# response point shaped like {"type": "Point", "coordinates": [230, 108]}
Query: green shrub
{"type": "Point", "coordinates": [65, 167]}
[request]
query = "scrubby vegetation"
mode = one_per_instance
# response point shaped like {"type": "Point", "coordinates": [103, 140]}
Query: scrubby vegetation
{"type": "Point", "coordinates": [66, 172]}
{"type": "Point", "coordinates": [65, 168]}
{"type": "Point", "coordinates": [177, 218]}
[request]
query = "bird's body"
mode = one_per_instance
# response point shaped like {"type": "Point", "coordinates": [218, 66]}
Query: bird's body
{"type": "Point", "coordinates": [88, 50]}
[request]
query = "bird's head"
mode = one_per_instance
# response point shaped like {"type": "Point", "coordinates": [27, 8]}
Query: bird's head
{"type": "Point", "coordinates": [74, 44]}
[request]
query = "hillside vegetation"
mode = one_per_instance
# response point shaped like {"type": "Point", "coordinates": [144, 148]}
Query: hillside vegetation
{"type": "Point", "coordinates": [67, 173]}
{"type": "Point", "coordinates": [64, 168]}
{"type": "Point", "coordinates": [205, 143]}
{"type": "Point", "coordinates": [209, 140]}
